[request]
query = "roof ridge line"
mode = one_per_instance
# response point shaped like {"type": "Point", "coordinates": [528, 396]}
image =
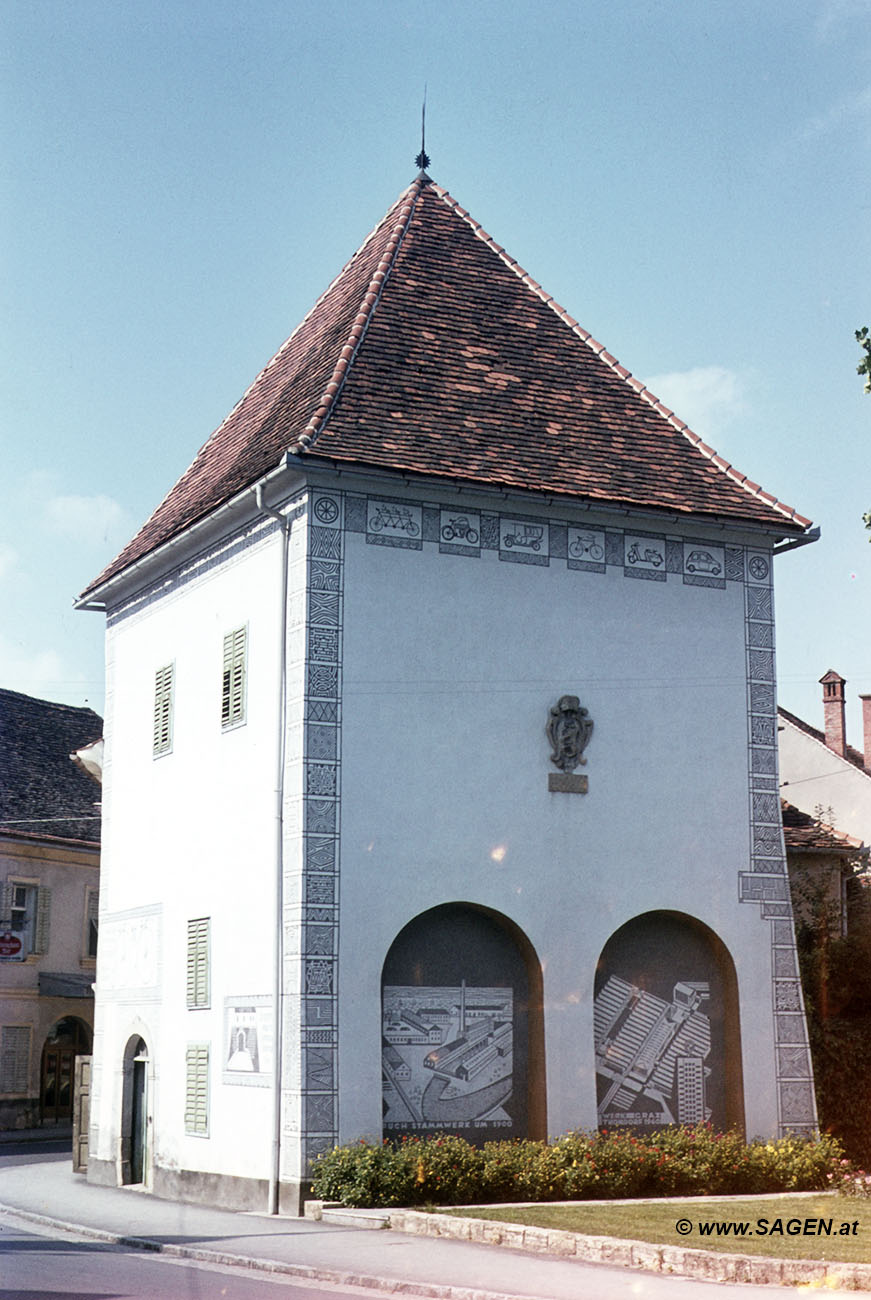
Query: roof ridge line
{"type": "Point", "coordinates": [273, 360]}
{"type": "Point", "coordinates": [360, 324]}
{"type": "Point", "coordinates": [742, 480]}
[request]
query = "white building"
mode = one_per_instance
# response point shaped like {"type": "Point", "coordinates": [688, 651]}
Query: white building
{"type": "Point", "coordinates": [821, 773]}
{"type": "Point", "coordinates": [355, 861]}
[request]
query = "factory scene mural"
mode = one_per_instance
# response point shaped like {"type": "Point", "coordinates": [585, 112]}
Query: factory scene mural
{"type": "Point", "coordinates": [447, 1057]}
{"type": "Point", "coordinates": [665, 1025]}
{"type": "Point", "coordinates": [455, 1028]}
{"type": "Point", "coordinates": [653, 1054]}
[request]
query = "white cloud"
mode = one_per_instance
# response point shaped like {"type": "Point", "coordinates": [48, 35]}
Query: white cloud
{"type": "Point", "coordinates": [8, 559]}
{"type": "Point", "coordinates": [42, 673]}
{"type": "Point", "coordinates": [707, 398]}
{"type": "Point", "coordinates": [93, 520]}
{"type": "Point", "coordinates": [853, 110]}
{"type": "Point", "coordinates": [838, 13]}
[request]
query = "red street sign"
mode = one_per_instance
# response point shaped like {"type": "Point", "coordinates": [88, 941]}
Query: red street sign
{"type": "Point", "coordinates": [10, 944]}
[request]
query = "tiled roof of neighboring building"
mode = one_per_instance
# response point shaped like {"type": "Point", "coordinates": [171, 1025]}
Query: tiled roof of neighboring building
{"type": "Point", "coordinates": [42, 791]}
{"type": "Point", "coordinates": [853, 755]}
{"type": "Point", "coordinates": [434, 354]}
{"type": "Point", "coordinates": [803, 832]}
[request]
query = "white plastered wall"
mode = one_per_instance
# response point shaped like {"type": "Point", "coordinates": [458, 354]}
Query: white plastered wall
{"type": "Point", "coordinates": [190, 834]}
{"type": "Point", "coordinates": [450, 666]}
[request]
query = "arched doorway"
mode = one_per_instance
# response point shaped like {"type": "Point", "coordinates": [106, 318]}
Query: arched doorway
{"type": "Point", "coordinates": [135, 1113]}
{"type": "Point", "coordinates": [67, 1039]}
{"type": "Point", "coordinates": [462, 1028]}
{"type": "Point", "coordinates": [667, 1033]}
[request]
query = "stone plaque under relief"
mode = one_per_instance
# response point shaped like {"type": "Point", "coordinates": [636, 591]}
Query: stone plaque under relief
{"type": "Point", "coordinates": [566, 783]}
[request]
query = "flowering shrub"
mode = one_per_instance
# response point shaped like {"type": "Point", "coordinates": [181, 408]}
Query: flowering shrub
{"type": "Point", "coordinates": [676, 1161]}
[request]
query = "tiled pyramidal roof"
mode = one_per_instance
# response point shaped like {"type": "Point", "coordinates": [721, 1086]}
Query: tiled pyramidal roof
{"type": "Point", "coordinates": [433, 353]}
{"type": "Point", "coordinates": [42, 791]}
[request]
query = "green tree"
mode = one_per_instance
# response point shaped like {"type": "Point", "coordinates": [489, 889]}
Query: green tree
{"type": "Point", "coordinates": [864, 366]}
{"type": "Point", "coordinates": [863, 337]}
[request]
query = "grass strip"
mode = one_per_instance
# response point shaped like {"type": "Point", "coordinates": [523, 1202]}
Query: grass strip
{"type": "Point", "coordinates": [820, 1227]}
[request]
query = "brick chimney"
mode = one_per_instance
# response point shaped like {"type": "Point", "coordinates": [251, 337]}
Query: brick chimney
{"type": "Point", "coordinates": [834, 720]}
{"type": "Point", "coordinates": [866, 727]}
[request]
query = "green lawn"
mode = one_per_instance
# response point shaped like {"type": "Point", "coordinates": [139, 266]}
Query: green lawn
{"type": "Point", "coordinates": [788, 1235]}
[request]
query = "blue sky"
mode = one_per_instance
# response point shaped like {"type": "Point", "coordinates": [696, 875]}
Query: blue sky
{"type": "Point", "coordinates": [180, 181]}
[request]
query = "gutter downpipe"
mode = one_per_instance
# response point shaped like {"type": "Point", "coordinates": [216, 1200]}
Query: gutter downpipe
{"type": "Point", "coordinates": [278, 949]}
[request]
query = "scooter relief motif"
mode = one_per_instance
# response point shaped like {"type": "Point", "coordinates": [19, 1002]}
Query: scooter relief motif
{"type": "Point", "coordinates": [569, 728]}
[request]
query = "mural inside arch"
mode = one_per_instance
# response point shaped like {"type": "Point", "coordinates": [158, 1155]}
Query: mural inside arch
{"type": "Point", "coordinates": [659, 1021]}
{"type": "Point", "coordinates": [454, 1030]}
{"type": "Point", "coordinates": [447, 1057]}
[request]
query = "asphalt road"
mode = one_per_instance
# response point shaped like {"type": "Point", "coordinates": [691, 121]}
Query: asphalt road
{"type": "Point", "coordinates": [42, 1265]}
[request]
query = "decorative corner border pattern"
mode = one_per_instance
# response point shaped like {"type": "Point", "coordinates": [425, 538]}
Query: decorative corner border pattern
{"type": "Point", "coordinates": [767, 883]}
{"type": "Point", "coordinates": [321, 801]}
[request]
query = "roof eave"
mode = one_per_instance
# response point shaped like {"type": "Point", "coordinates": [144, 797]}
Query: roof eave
{"type": "Point", "coordinates": [94, 598]}
{"type": "Point", "coordinates": [795, 529]}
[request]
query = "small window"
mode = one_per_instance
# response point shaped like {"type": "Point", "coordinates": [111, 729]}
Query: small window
{"type": "Point", "coordinates": [196, 1104]}
{"type": "Point", "coordinates": [163, 682]}
{"type": "Point", "coordinates": [198, 964]}
{"type": "Point", "coordinates": [233, 681]}
{"type": "Point", "coordinates": [15, 1058]}
{"type": "Point", "coordinates": [27, 913]}
{"type": "Point", "coordinates": [92, 921]}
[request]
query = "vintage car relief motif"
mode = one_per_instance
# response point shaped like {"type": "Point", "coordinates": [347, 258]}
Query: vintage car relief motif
{"type": "Point", "coordinates": [651, 1055]}
{"type": "Point", "coordinates": [447, 1057]}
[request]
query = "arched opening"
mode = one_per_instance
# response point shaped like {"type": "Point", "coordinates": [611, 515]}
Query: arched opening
{"type": "Point", "coordinates": [462, 1028]}
{"type": "Point", "coordinates": [67, 1039]}
{"type": "Point", "coordinates": [135, 1113]}
{"type": "Point", "coordinates": [667, 1032]}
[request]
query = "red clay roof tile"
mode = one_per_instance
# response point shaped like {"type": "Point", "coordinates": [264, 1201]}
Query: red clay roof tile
{"type": "Point", "coordinates": [386, 372]}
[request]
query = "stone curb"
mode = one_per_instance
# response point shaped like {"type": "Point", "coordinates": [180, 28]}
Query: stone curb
{"type": "Point", "coordinates": [705, 1264]}
{"type": "Point", "coordinates": [273, 1267]}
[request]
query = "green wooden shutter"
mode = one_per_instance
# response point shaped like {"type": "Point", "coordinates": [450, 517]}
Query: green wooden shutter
{"type": "Point", "coordinates": [92, 922]}
{"type": "Point", "coordinates": [43, 919]}
{"type": "Point", "coordinates": [162, 742]}
{"type": "Point", "coordinates": [196, 1109]}
{"type": "Point", "coordinates": [233, 679]}
{"type": "Point", "coordinates": [6, 897]}
{"type": "Point", "coordinates": [198, 963]}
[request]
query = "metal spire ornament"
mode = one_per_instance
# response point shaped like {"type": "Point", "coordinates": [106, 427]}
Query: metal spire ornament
{"type": "Point", "coordinates": [422, 160]}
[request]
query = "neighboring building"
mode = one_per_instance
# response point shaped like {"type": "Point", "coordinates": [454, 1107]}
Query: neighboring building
{"type": "Point", "coordinates": [826, 869]}
{"type": "Point", "coordinates": [49, 898]}
{"type": "Point", "coordinates": [414, 680]}
{"type": "Point", "coordinates": [820, 772]}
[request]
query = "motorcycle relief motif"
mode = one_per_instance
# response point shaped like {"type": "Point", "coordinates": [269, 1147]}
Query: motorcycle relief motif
{"type": "Point", "coordinates": [460, 528]}
{"type": "Point", "coordinates": [651, 1055]}
{"type": "Point", "coordinates": [644, 552]}
{"type": "Point", "coordinates": [447, 1057]}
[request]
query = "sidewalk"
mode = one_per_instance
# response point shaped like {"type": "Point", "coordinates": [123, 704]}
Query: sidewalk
{"type": "Point", "coordinates": [46, 1191]}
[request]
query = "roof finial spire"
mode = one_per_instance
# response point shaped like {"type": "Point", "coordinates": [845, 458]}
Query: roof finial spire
{"type": "Point", "coordinates": [422, 159]}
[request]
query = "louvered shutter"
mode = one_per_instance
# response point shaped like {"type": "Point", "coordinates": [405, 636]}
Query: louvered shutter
{"type": "Point", "coordinates": [15, 1058]}
{"type": "Point", "coordinates": [92, 921]}
{"type": "Point", "coordinates": [163, 709]}
{"type": "Point", "coordinates": [196, 1110]}
{"type": "Point", "coordinates": [233, 680]}
{"type": "Point", "coordinates": [43, 919]}
{"type": "Point", "coordinates": [198, 963]}
{"type": "Point", "coordinates": [6, 898]}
